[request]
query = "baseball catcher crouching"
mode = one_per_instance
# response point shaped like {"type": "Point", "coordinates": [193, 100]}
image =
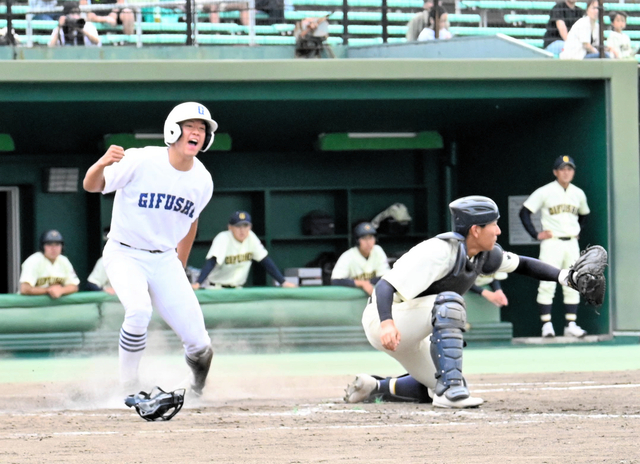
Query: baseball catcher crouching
{"type": "Point", "coordinates": [587, 275]}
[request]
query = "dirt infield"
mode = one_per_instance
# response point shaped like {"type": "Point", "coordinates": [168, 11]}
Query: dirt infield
{"type": "Point", "coordinates": [539, 418]}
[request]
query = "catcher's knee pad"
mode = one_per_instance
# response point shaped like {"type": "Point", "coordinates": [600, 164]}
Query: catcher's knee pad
{"type": "Point", "coordinates": [449, 317]}
{"type": "Point", "coordinates": [449, 311]}
{"type": "Point", "coordinates": [200, 363]}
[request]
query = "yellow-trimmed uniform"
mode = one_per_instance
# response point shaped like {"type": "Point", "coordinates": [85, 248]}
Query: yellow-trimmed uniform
{"type": "Point", "coordinates": [559, 209]}
{"type": "Point", "coordinates": [38, 271]}
{"type": "Point", "coordinates": [234, 258]}
{"type": "Point", "coordinates": [352, 265]}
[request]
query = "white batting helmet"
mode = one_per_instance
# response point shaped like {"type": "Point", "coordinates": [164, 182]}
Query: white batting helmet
{"type": "Point", "coordinates": [184, 112]}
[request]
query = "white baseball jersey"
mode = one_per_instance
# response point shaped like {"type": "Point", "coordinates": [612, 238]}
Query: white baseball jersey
{"type": "Point", "coordinates": [99, 276]}
{"type": "Point", "coordinates": [38, 271]}
{"type": "Point", "coordinates": [428, 262]}
{"type": "Point", "coordinates": [621, 43]}
{"type": "Point", "coordinates": [352, 265]}
{"type": "Point", "coordinates": [154, 208]}
{"type": "Point", "coordinates": [234, 258]}
{"type": "Point", "coordinates": [559, 208]}
{"type": "Point", "coordinates": [155, 204]}
{"type": "Point", "coordinates": [412, 274]}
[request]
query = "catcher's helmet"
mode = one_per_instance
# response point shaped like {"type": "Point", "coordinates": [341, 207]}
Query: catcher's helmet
{"type": "Point", "coordinates": [158, 404]}
{"type": "Point", "coordinates": [470, 211]}
{"type": "Point", "coordinates": [51, 236]}
{"type": "Point", "coordinates": [183, 112]}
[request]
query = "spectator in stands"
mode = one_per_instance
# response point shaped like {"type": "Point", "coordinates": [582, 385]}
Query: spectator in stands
{"type": "Point", "coordinates": [561, 18]}
{"type": "Point", "coordinates": [363, 265]}
{"type": "Point", "coordinates": [123, 17]}
{"type": "Point", "coordinates": [72, 29]}
{"type": "Point", "coordinates": [48, 271]}
{"type": "Point", "coordinates": [98, 280]}
{"type": "Point", "coordinates": [45, 5]}
{"type": "Point", "coordinates": [583, 38]}
{"type": "Point", "coordinates": [619, 43]}
{"type": "Point", "coordinates": [429, 33]}
{"type": "Point", "coordinates": [231, 254]}
{"type": "Point", "coordinates": [273, 8]}
{"type": "Point", "coordinates": [6, 39]}
{"type": "Point", "coordinates": [214, 10]}
{"type": "Point", "coordinates": [311, 35]}
{"type": "Point", "coordinates": [419, 22]}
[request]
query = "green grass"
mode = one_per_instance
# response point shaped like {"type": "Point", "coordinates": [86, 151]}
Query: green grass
{"type": "Point", "coordinates": [477, 360]}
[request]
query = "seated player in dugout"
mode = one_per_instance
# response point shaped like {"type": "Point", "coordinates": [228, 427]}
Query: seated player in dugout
{"type": "Point", "coordinates": [363, 265]}
{"type": "Point", "coordinates": [231, 254]}
{"type": "Point", "coordinates": [417, 314]}
{"type": "Point", "coordinates": [48, 271]}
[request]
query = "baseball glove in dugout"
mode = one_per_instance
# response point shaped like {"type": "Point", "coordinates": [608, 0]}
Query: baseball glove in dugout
{"type": "Point", "coordinates": [587, 274]}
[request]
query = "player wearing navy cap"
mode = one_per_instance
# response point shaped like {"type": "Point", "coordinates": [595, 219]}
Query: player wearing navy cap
{"type": "Point", "coordinates": [563, 208]}
{"type": "Point", "coordinates": [231, 254]}
{"type": "Point", "coordinates": [362, 265]}
{"type": "Point", "coordinates": [48, 271]}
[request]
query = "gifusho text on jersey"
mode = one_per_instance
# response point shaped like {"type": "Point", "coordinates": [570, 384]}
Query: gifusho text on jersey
{"type": "Point", "coordinates": [170, 203]}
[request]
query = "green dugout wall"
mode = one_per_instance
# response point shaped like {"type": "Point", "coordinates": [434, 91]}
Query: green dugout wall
{"type": "Point", "coordinates": [501, 124]}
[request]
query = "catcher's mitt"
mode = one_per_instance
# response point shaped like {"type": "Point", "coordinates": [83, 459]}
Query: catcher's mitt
{"type": "Point", "coordinates": [587, 274]}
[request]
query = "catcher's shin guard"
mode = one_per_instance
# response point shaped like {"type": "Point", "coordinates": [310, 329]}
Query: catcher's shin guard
{"type": "Point", "coordinates": [448, 319]}
{"type": "Point", "coordinates": [200, 368]}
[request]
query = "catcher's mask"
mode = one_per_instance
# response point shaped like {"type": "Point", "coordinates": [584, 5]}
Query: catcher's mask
{"type": "Point", "coordinates": [158, 404]}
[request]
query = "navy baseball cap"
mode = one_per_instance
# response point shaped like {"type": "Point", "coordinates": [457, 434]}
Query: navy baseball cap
{"type": "Point", "coordinates": [240, 217]}
{"type": "Point", "coordinates": [563, 161]}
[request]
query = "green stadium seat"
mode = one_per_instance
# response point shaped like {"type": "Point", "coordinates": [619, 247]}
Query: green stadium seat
{"type": "Point", "coordinates": [534, 5]}
{"type": "Point", "coordinates": [510, 31]}
{"type": "Point", "coordinates": [543, 19]}
{"type": "Point", "coordinates": [526, 19]}
{"type": "Point", "coordinates": [332, 4]}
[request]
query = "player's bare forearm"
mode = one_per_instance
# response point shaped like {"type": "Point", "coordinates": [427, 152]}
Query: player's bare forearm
{"type": "Point", "coordinates": [94, 178]}
{"type": "Point", "coordinates": [56, 291]}
{"type": "Point", "coordinates": [28, 289]}
{"type": "Point", "coordinates": [68, 289]}
{"type": "Point", "coordinates": [185, 245]}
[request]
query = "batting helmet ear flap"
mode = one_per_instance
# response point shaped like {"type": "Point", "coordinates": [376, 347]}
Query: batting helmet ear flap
{"type": "Point", "coordinates": [172, 132]}
{"type": "Point", "coordinates": [208, 140]}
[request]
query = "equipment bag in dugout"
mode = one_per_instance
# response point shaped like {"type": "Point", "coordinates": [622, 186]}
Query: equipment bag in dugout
{"type": "Point", "coordinates": [318, 222]}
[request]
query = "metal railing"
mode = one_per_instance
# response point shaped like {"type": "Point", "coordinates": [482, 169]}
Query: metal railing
{"type": "Point", "coordinates": [190, 8]}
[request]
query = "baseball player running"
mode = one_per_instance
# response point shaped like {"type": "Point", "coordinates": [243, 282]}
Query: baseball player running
{"type": "Point", "coordinates": [232, 253]}
{"type": "Point", "coordinates": [160, 193]}
{"type": "Point", "coordinates": [563, 208]}
{"type": "Point", "coordinates": [362, 265]}
{"type": "Point", "coordinates": [417, 315]}
{"type": "Point", "coordinates": [48, 271]}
